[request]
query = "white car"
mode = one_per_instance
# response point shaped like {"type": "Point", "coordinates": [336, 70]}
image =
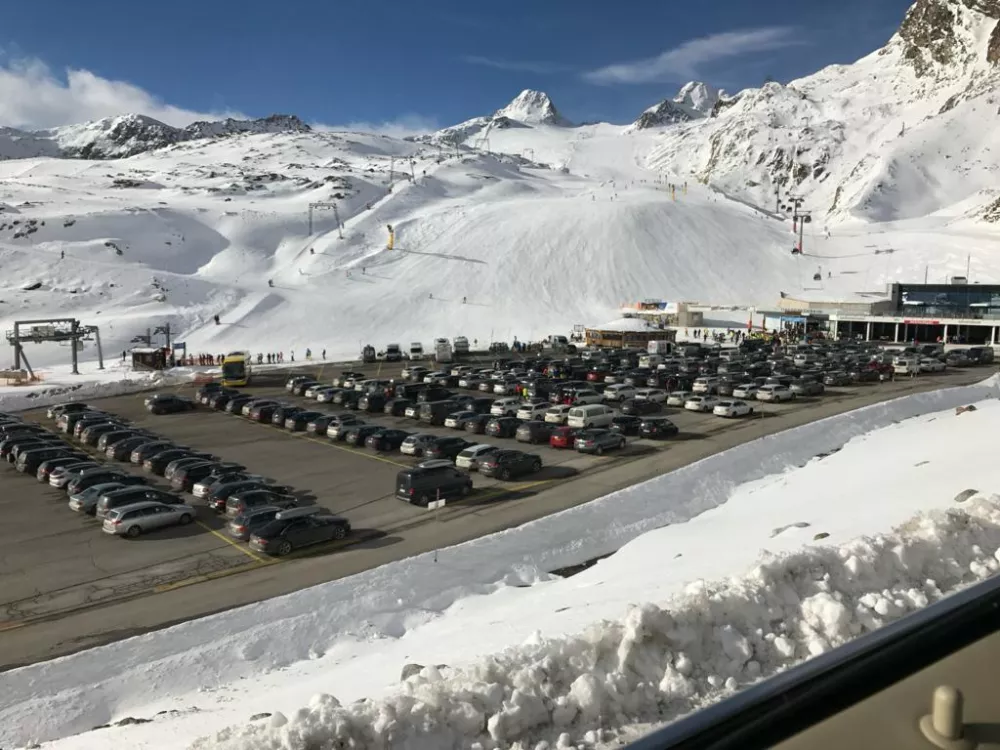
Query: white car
{"type": "Point", "coordinates": [746, 390]}
{"type": "Point", "coordinates": [461, 370]}
{"type": "Point", "coordinates": [732, 409]}
{"type": "Point", "coordinates": [619, 392]}
{"type": "Point", "coordinates": [906, 366]}
{"type": "Point", "coordinates": [677, 398]}
{"type": "Point", "coordinates": [313, 391]}
{"type": "Point", "coordinates": [701, 403]}
{"type": "Point", "coordinates": [557, 414]}
{"type": "Point", "coordinates": [536, 410]}
{"type": "Point", "coordinates": [705, 385]}
{"type": "Point", "coordinates": [439, 376]}
{"type": "Point", "coordinates": [412, 411]}
{"type": "Point", "coordinates": [325, 395]}
{"type": "Point", "coordinates": [587, 396]}
{"type": "Point", "coordinates": [775, 393]}
{"type": "Point", "coordinates": [656, 395]}
{"type": "Point", "coordinates": [469, 458]}
{"type": "Point", "coordinates": [505, 407]}
{"type": "Point", "coordinates": [929, 364]}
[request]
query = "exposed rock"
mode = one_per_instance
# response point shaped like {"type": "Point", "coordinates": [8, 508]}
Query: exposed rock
{"type": "Point", "coordinates": [964, 495]}
{"type": "Point", "coordinates": [963, 409]}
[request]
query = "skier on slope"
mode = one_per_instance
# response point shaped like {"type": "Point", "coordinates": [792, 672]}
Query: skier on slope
{"type": "Point", "coordinates": [270, 283]}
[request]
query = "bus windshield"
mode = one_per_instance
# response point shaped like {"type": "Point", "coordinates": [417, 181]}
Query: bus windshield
{"type": "Point", "coordinates": [234, 370]}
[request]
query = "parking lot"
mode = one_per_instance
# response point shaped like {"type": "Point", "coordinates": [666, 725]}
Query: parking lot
{"type": "Point", "coordinates": [66, 585]}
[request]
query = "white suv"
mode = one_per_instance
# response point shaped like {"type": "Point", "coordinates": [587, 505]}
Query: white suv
{"type": "Point", "coordinates": [536, 410]}
{"type": "Point", "coordinates": [619, 392]}
{"type": "Point", "coordinates": [505, 407]}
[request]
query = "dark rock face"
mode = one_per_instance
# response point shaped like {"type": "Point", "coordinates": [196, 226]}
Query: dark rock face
{"type": "Point", "coordinates": [664, 113]}
{"type": "Point", "coordinates": [928, 31]}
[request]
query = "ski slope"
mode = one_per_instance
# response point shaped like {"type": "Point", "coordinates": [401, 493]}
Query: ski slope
{"type": "Point", "coordinates": [704, 595]}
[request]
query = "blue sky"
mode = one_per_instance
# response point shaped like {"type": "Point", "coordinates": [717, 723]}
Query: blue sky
{"type": "Point", "coordinates": [405, 62]}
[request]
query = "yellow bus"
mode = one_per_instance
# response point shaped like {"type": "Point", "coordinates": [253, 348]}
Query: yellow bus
{"type": "Point", "coordinates": [236, 369]}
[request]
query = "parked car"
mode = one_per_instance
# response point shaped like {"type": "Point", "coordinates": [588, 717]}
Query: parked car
{"type": "Point", "coordinates": [372, 402]}
{"type": "Point", "coordinates": [504, 427]}
{"type": "Point", "coordinates": [598, 441]}
{"type": "Point", "coordinates": [732, 408]}
{"type": "Point", "coordinates": [590, 415]}
{"type": "Point", "coordinates": [509, 464]}
{"type": "Point", "coordinates": [457, 419]}
{"type": "Point", "coordinates": [130, 494]}
{"type": "Point", "coordinates": [533, 410]}
{"type": "Point", "coordinates": [422, 484]}
{"type": "Point", "coordinates": [122, 450]}
{"type": "Point", "coordinates": [28, 461]}
{"type": "Point", "coordinates": [447, 447]}
{"type": "Point", "coordinates": [149, 449]}
{"type": "Point", "coordinates": [470, 457]}
{"type": "Point", "coordinates": [386, 439]}
{"type": "Point", "coordinates": [657, 427]}
{"type": "Point", "coordinates": [619, 392]}
{"type": "Point", "coordinates": [46, 468]}
{"type": "Point", "coordinates": [90, 477]}
{"type": "Point", "coordinates": [929, 364]}
{"type": "Point", "coordinates": [220, 493]}
{"type": "Point", "coordinates": [240, 502]}
{"type": "Point", "coordinates": [557, 414]}
{"type": "Point", "coordinates": [337, 429]}
{"type": "Point", "coordinates": [247, 523]}
{"type": "Point", "coordinates": [534, 431]}
{"type": "Point", "coordinates": [359, 434]}
{"type": "Point", "coordinates": [297, 528]}
{"type": "Point", "coordinates": [187, 477]}
{"type": "Point", "coordinates": [477, 425]}
{"type": "Point", "coordinates": [635, 407]}
{"type": "Point", "coordinates": [563, 437]}
{"type": "Point", "coordinates": [626, 424]}
{"type": "Point", "coordinates": [63, 475]}
{"type": "Point", "coordinates": [168, 403]}
{"type": "Point", "coordinates": [299, 421]}
{"type": "Point", "coordinates": [807, 387]}
{"type": "Point", "coordinates": [157, 464]}
{"type": "Point", "coordinates": [678, 398]}
{"type": "Point", "coordinates": [776, 393]}
{"type": "Point", "coordinates": [133, 520]}
{"type": "Point", "coordinates": [69, 407]}
{"type": "Point", "coordinates": [86, 501]}
{"type": "Point", "coordinates": [701, 403]}
{"type": "Point", "coordinates": [283, 413]}
{"type": "Point", "coordinates": [505, 407]}
{"type": "Point", "coordinates": [416, 444]}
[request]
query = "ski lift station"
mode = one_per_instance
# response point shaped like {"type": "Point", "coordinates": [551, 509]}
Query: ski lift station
{"type": "Point", "coordinates": [957, 312]}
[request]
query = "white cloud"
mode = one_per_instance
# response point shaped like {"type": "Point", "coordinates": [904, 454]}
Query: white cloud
{"type": "Point", "coordinates": [523, 66]}
{"type": "Point", "coordinates": [401, 127]}
{"type": "Point", "coordinates": [33, 96]}
{"type": "Point", "coordinates": [683, 62]}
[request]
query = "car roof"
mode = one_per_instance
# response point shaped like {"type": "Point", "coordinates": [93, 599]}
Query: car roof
{"type": "Point", "coordinates": [144, 504]}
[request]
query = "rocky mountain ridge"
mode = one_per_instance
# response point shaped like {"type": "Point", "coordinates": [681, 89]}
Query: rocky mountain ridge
{"type": "Point", "coordinates": [126, 135]}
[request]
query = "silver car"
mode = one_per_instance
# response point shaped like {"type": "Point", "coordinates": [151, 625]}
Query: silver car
{"type": "Point", "coordinates": [138, 518]}
{"type": "Point", "coordinates": [415, 445]}
{"type": "Point", "coordinates": [86, 501]}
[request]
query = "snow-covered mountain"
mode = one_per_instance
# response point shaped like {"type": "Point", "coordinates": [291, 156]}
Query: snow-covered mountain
{"type": "Point", "coordinates": [527, 109]}
{"type": "Point", "coordinates": [127, 135]}
{"type": "Point", "coordinates": [694, 101]}
{"type": "Point", "coordinates": [906, 131]}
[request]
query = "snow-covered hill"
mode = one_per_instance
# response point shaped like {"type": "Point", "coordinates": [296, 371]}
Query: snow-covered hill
{"type": "Point", "coordinates": [694, 101]}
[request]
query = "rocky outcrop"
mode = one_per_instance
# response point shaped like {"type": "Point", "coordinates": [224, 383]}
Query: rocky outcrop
{"type": "Point", "coordinates": [532, 108]}
{"type": "Point", "coordinates": [931, 33]}
{"type": "Point", "coordinates": [694, 101]}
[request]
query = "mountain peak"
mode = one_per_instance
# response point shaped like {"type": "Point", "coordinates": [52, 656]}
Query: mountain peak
{"type": "Point", "coordinates": [532, 108]}
{"type": "Point", "coordinates": [694, 101]}
{"type": "Point", "coordinates": [943, 33]}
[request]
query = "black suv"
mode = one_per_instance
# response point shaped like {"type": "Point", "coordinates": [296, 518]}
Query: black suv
{"type": "Point", "coordinates": [431, 480]}
{"type": "Point", "coordinates": [657, 427]}
{"type": "Point", "coordinates": [446, 447]}
{"type": "Point", "coordinates": [510, 464]}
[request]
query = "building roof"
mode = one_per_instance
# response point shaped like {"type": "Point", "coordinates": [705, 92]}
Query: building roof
{"type": "Point", "coordinates": [625, 324]}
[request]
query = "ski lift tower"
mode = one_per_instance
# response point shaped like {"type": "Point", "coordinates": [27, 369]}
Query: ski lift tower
{"type": "Point", "coordinates": [336, 217]}
{"type": "Point", "coordinates": [53, 330]}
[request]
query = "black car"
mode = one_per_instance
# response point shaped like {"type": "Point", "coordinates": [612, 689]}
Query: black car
{"type": "Point", "coordinates": [100, 476]}
{"type": "Point", "coordinates": [301, 386]}
{"type": "Point", "coordinates": [510, 464]}
{"type": "Point", "coordinates": [220, 398]}
{"type": "Point", "coordinates": [477, 424]}
{"type": "Point", "coordinates": [434, 393]}
{"type": "Point", "coordinates": [285, 534]}
{"type": "Point", "coordinates": [108, 439]}
{"type": "Point", "coordinates": [299, 421]}
{"type": "Point", "coordinates": [186, 477]}
{"type": "Point", "coordinates": [92, 432]}
{"type": "Point", "coordinates": [151, 448]}
{"type": "Point", "coordinates": [220, 493]}
{"type": "Point", "coordinates": [396, 407]}
{"type": "Point", "coordinates": [261, 410]}
{"type": "Point", "coordinates": [657, 427]}
{"type": "Point", "coordinates": [387, 439]}
{"type": "Point", "coordinates": [446, 447]}
{"type": "Point", "coordinates": [157, 463]}
{"type": "Point", "coordinates": [28, 461]}
{"type": "Point", "coordinates": [240, 502]}
{"type": "Point", "coordinates": [30, 441]}
{"type": "Point", "coordinates": [598, 441]}
{"type": "Point", "coordinates": [640, 407]}
{"type": "Point", "coordinates": [168, 403]}
{"type": "Point", "coordinates": [236, 403]}
{"type": "Point", "coordinates": [122, 450]}
{"type": "Point", "coordinates": [505, 427]}
{"type": "Point", "coordinates": [283, 412]}
{"type": "Point", "coordinates": [372, 402]}
{"type": "Point", "coordinates": [431, 481]}
{"type": "Point", "coordinates": [348, 399]}
{"type": "Point", "coordinates": [477, 404]}
{"type": "Point", "coordinates": [359, 434]}
{"type": "Point", "coordinates": [534, 431]}
{"type": "Point", "coordinates": [46, 467]}
{"type": "Point", "coordinates": [627, 424]}
{"type": "Point", "coordinates": [318, 425]}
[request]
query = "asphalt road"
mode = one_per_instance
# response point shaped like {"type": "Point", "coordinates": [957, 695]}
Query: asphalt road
{"type": "Point", "coordinates": [65, 585]}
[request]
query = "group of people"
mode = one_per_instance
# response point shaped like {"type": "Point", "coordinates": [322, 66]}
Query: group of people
{"type": "Point", "coordinates": [277, 358]}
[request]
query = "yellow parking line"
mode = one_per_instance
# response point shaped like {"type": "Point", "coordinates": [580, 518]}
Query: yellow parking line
{"type": "Point", "coordinates": [209, 577]}
{"type": "Point", "coordinates": [10, 625]}
{"type": "Point", "coordinates": [503, 489]}
{"type": "Point", "coordinates": [246, 551]}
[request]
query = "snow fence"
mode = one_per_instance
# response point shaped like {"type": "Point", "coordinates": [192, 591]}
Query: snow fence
{"type": "Point", "coordinates": [74, 693]}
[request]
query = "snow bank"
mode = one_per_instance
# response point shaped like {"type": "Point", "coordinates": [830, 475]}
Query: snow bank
{"type": "Point", "coordinates": [656, 664]}
{"type": "Point", "coordinates": [75, 693]}
{"type": "Point", "coordinates": [112, 383]}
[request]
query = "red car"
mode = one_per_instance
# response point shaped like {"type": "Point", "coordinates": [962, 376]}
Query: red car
{"type": "Point", "coordinates": [597, 376]}
{"type": "Point", "coordinates": [563, 437]}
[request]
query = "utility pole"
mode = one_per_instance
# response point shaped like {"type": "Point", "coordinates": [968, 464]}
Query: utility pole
{"type": "Point", "coordinates": [413, 176]}
{"type": "Point", "coordinates": [165, 330]}
{"type": "Point", "coordinates": [968, 267]}
{"type": "Point", "coordinates": [336, 216]}
{"type": "Point", "coordinates": [392, 170]}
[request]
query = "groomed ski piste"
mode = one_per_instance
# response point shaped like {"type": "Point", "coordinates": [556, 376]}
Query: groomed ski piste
{"type": "Point", "coordinates": [726, 572]}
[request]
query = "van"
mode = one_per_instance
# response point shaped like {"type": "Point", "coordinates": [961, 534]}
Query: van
{"type": "Point", "coordinates": [982, 355]}
{"type": "Point", "coordinates": [651, 361]}
{"type": "Point", "coordinates": [461, 345]}
{"type": "Point", "coordinates": [435, 412]}
{"type": "Point", "coordinates": [591, 415]}
{"type": "Point", "coordinates": [422, 484]}
{"type": "Point", "coordinates": [433, 393]}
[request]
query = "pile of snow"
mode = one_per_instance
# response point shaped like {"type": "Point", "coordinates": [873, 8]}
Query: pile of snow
{"type": "Point", "coordinates": [707, 521]}
{"type": "Point", "coordinates": [657, 663]}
